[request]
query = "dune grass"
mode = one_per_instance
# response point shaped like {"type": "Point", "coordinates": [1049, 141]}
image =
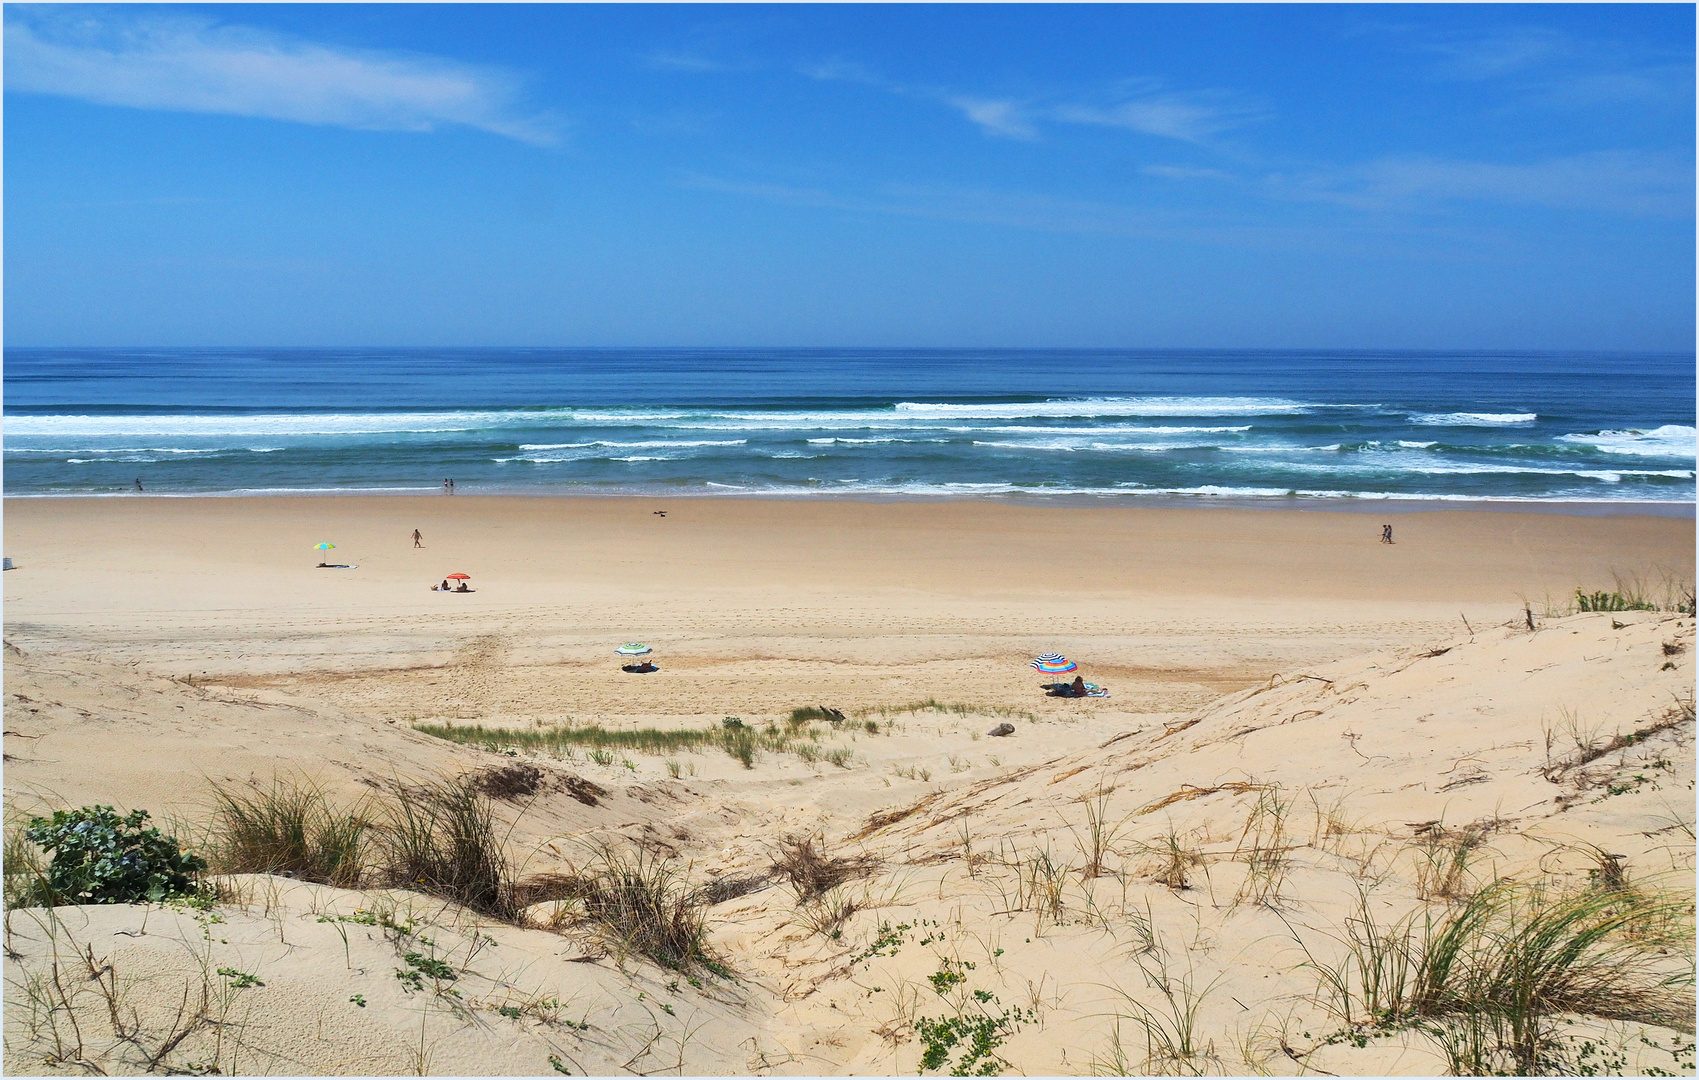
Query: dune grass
{"type": "Point", "coordinates": [1487, 979]}
{"type": "Point", "coordinates": [932, 704]}
{"type": "Point", "coordinates": [25, 870]}
{"type": "Point", "coordinates": [732, 735]}
{"type": "Point", "coordinates": [443, 838]}
{"type": "Point", "coordinates": [1631, 592]}
{"type": "Point", "coordinates": [288, 828]}
{"type": "Point", "coordinates": [555, 739]}
{"type": "Point", "coordinates": [642, 904]}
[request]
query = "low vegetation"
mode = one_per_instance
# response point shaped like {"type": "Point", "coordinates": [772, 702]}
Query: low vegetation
{"type": "Point", "coordinates": [642, 904]}
{"type": "Point", "coordinates": [738, 740]}
{"type": "Point", "coordinates": [1488, 979]}
{"type": "Point", "coordinates": [288, 828]}
{"type": "Point", "coordinates": [98, 857]}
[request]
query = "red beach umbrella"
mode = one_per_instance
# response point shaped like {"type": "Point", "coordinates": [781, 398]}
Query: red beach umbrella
{"type": "Point", "coordinates": [460, 577]}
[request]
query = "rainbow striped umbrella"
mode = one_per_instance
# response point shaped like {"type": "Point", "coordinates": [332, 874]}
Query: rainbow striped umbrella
{"type": "Point", "coordinates": [1054, 664]}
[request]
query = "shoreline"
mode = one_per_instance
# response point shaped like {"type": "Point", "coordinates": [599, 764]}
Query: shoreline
{"type": "Point", "coordinates": [1350, 504]}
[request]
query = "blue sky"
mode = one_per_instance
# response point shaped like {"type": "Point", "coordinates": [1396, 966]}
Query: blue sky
{"type": "Point", "coordinates": [1511, 176]}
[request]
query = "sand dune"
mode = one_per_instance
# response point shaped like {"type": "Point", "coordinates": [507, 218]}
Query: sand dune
{"type": "Point", "coordinates": [1287, 749]}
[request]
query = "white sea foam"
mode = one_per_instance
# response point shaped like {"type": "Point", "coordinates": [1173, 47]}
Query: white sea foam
{"type": "Point", "coordinates": [1073, 446]}
{"type": "Point", "coordinates": [1671, 440]}
{"type": "Point", "coordinates": [1098, 430]}
{"type": "Point", "coordinates": [827, 442]}
{"type": "Point", "coordinates": [1409, 445]}
{"type": "Point", "coordinates": [1473, 419]}
{"type": "Point", "coordinates": [251, 424]}
{"type": "Point", "coordinates": [1139, 406]}
{"type": "Point", "coordinates": [141, 450]}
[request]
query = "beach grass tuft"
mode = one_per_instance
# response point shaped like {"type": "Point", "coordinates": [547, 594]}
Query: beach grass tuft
{"type": "Point", "coordinates": [443, 838]}
{"type": "Point", "coordinates": [641, 901]}
{"type": "Point", "coordinates": [25, 868]}
{"type": "Point", "coordinates": [287, 828]}
{"type": "Point", "coordinates": [1488, 979]}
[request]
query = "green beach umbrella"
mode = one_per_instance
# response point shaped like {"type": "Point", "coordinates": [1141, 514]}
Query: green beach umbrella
{"type": "Point", "coordinates": [633, 649]}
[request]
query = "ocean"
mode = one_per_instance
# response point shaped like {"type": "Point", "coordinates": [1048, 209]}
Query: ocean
{"type": "Point", "coordinates": [1135, 426]}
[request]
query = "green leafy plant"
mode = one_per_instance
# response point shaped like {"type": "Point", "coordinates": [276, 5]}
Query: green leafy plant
{"type": "Point", "coordinates": [951, 973]}
{"type": "Point", "coordinates": [430, 965]}
{"type": "Point", "coordinates": [978, 1032]}
{"type": "Point", "coordinates": [239, 980]}
{"type": "Point", "coordinates": [101, 858]}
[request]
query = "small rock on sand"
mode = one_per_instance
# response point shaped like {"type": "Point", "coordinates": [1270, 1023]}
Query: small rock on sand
{"type": "Point", "coordinates": [1002, 729]}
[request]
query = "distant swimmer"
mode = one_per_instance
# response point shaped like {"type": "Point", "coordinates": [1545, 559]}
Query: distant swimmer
{"type": "Point", "coordinates": [418, 539]}
{"type": "Point", "coordinates": [139, 484]}
{"type": "Point", "coordinates": [1386, 534]}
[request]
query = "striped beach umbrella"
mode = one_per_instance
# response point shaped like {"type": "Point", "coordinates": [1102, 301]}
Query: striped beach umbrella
{"type": "Point", "coordinates": [323, 545]}
{"type": "Point", "coordinates": [1054, 664]}
{"type": "Point", "coordinates": [633, 648]}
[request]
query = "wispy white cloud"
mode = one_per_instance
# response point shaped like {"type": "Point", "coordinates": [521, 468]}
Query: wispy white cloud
{"type": "Point", "coordinates": [976, 205]}
{"type": "Point", "coordinates": [1547, 67]}
{"type": "Point", "coordinates": [1141, 106]}
{"type": "Point", "coordinates": [839, 70]}
{"type": "Point", "coordinates": [1503, 52]}
{"type": "Point", "coordinates": [1003, 118]}
{"type": "Point", "coordinates": [193, 65]}
{"type": "Point", "coordinates": [1184, 172]}
{"type": "Point", "coordinates": [1188, 118]}
{"type": "Point", "coordinates": [1615, 181]}
{"type": "Point", "coordinates": [1171, 116]}
{"type": "Point", "coordinates": [1089, 217]}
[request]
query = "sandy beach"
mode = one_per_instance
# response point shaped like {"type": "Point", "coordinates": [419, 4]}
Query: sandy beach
{"type": "Point", "coordinates": [157, 645]}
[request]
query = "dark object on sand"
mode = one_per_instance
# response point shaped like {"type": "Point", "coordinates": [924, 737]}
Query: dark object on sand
{"type": "Point", "coordinates": [509, 782]}
{"type": "Point", "coordinates": [1001, 730]}
{"type": "Point", "coordinates": [803, 859]}
{"type": "Point", "coordinates": [640, 669]}
{"type": "Point", "coordinates": [731, 887]}
{"type": "Point", "coordinates": [585, 791]}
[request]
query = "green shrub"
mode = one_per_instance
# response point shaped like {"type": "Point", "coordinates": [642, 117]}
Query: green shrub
{"type": "Point", "coordinates": [101, 858]}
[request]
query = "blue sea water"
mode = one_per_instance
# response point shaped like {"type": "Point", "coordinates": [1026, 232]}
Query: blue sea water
{"type": "Point", "coordinates": [1158, 426]}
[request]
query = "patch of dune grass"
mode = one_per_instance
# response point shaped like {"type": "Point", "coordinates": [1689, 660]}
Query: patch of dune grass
{"type": "Point", "coordinates": [732, 736]}
{"type": "Point", "coordinates": [25, 870]}
{"type": "Point", "coordinates": [642, 903]}
{"type": "Point", "coordinates": [288, 828]}
{"type": "Point", "coordinates": [1488, 979]}
{"type": "Point", "coordinates": [955, 708]}
{"type": "Point", "coordinates": [443, 838]}
{"type": "Point", "coordinates": [553, 739]}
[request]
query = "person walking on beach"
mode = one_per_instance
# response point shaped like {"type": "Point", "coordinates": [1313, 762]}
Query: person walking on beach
{"type": "Point", "coordinates": [418, 539]}
{"type": "Point", "coordinates": [1386, 534]}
